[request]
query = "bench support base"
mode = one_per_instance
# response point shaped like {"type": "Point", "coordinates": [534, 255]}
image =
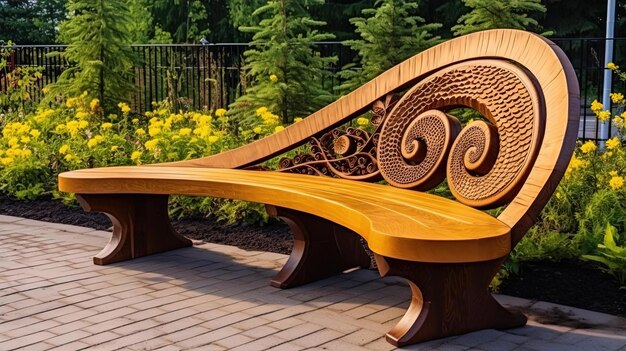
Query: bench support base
{"type": "Point", "coordinates": [141, 225]}
{"type": "Point", "coordinates": [447, 299]}
{"type": "Point", "coordinates": [321, 249]}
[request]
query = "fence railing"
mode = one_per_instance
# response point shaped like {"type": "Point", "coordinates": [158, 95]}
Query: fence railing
{"type": "Point", "coordinates": [211, 76]}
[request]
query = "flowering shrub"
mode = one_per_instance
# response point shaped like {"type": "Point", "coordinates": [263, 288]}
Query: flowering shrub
{"type": "Point", "coordinates": [76, 134]}
{"type": "Point", "coordinates": [590, 198]}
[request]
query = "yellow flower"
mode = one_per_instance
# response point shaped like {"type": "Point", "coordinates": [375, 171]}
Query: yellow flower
{"type": "Point", "coordinates": [220, 112]}
{"type": "Point", "coordinates": [82, 124]}
{"type": "Point", "coordinates": [35, 133]}
{"type": "Point", "coordinates": [616, 182]}
{"type": "Point", "coordinates": [213, 139]}
{"type": "Point", "coordinates": [94, 104]}
{"type": "Point", "coordinates": [5, 161]}
{"type": "Point", "coordinates": [135, 120]}
{"type": "Point", "coordinates": [261, 110]}
{"type": "Point", "coordinates": [45, 90]}
{"type": "Point", "coordinates": [81, 115]}
{"type": "Point", "coordinates": [616, 97]}
{"type": "Point", "coordinates": [278, 129]}
{"type": "Point", "coordinates": [297, 119]}
{"type": "Point", "coordinates": [613, 173]}
{"type": "Point", "coordinates": [71, 102]}
{"type": "Point", "coordinates": [151, 144]}
{"type": "Point", "coordinates": [596, 106]}
{"type": "Point", "coordinates": [106, 125]}
{"type": "Point", "coordinates": [604, 115]}
{"type": "Point", "coordinates": [612, 66]}
{"type": "Point", "coordinates": [184, 131]}
{"type": "Point", "coordinates": [124, 107]}
{"type": "Point", "coordinates": [60, 128]}
{"type": "Point", "coordinates": [13, 141]}
{"type": "Point", "coordinates": [135, 155]}
{"type": "Point", "coordinates": [257, 130]}
{"type": "Point", "coordinates": [26, 153]}
{"type": "Point", "coordinates": [25, 139]}
{"type": "Point", "coordinates": [618, 122]}
{"type": "Point", "coordinates": [154, 131]}
{"type": "Point", "coordinates": [575, 163]}
{"type": "Point", "coordinates": [613, 143]}
{"type": "Point", "coordinates": [362, 121]}
{"type": "Point", "coordinates": [92, 142]}
{"type": "Point", "coordinates": [273, 78]}
{"type": "Point", "coordinates": [588, 147]}
{"type": "Point", "coordinates": [69, 157]}
{"type": "Point", "coordinates": [114, 148]}
{"type": "Point", "coordinates": [63, 149]}
{"type": "Point", "coordinates": [140, 131]}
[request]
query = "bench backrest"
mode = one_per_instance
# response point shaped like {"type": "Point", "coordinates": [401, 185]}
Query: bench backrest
{"type": "Point", "coordinates": [522, 84]}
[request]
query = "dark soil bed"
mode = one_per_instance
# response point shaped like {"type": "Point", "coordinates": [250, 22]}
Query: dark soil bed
{"type": "Point", "coordinates": [571, 283]}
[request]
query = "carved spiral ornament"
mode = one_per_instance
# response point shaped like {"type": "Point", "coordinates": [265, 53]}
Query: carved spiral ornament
{"type": "Point", "coordinates": [488, 161]}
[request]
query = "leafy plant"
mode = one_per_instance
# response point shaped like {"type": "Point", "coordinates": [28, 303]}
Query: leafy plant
{"type": "Point", "coordinates": [490, 14]}
{"type": "Point", "coordinates": [286, 72]}
{"type": "Point", "coordinates": [20, 82]}
{"type": "Point", "coordinates": [613, 256]}
{"type": "Point", "coordinates": [99, 36]}
{"type": "Point", "coordinates": [390, 33]}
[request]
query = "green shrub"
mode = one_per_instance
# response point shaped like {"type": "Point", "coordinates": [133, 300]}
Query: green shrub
{"type": "Point", "coordinates": [613, 256]}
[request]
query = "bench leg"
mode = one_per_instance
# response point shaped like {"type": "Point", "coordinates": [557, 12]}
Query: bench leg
{"type": "Point", "coordinates": [321, 249]}
{"type": "Point", "coordinates": [447, 299]}
{"type": "Point", "coordinates": [141, 225]}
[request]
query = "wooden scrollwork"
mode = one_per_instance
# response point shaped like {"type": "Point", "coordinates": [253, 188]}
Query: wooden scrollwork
{"type": "Point", "coordinates": [416, 144]}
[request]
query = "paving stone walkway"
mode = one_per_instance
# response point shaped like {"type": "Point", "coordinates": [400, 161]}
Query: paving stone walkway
{"type": "Point", "coordinates": [216, 297]}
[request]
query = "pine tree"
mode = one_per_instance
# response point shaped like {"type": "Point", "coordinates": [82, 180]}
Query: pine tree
{"type": "Point", "coordinates": [490, 14]}
{"type": "Point", "coordinates": [98, 35]}
{"type": "Point", "coordinates": [390, 33]}
{"type": "Point", "coordinates": [285, 71]}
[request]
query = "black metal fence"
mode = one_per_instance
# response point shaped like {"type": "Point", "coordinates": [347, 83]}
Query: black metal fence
{"type": "Point", "coordinates": [210, 76]}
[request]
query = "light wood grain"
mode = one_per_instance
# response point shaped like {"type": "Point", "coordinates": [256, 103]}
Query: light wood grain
{"type": "Point", "coordinates": [447, 251]}
{"type": "Point", "coordinates": [395, 222]}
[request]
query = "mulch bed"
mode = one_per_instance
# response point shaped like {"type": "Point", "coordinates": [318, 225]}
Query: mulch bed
{"type": "Point", "coordinates": [571, 283]}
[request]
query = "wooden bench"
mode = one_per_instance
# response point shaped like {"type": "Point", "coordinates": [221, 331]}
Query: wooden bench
{"type": "Point", "coordinates": [448, 250]}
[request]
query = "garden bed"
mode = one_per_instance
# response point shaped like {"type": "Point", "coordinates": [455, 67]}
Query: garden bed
{"type": "Point", "coordinates": [571, 283]}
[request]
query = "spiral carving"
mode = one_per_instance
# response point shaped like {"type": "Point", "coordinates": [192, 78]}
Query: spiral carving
{"type": "Point", "coordinates": [488, 161]}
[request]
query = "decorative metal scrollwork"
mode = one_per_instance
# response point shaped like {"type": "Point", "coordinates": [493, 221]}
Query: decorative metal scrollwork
{"type": "Point", "coordinates": [349, 153]}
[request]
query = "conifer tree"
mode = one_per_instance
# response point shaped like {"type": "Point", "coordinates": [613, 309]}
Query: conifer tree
{"type": "Point", "coordinates": [285, 71]}
{"type": "Point", "coordinates": [490, 14]}
{"type": "Point", "coordinates": [98, 35]}
{"type": "Point", "coordinates": [390, 33]}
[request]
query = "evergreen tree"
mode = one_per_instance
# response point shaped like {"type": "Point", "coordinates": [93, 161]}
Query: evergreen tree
{"type": "Point", "coordinates": [390, 34]}
{"type": "Point", "coordinates": [98, 35]}
{"type": "Point", "coordinates": [285, 71]}
{"type": "Point", "coordinates": [30, 22]}
{"type": "Point", "coordinates": [490, 14]}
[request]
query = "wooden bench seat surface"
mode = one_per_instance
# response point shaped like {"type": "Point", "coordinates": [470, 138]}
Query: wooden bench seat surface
{"type": "Point", "coordinates": [395, 222]}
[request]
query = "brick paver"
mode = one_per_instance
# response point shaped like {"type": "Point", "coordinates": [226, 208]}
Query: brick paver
{"type": "Point", "coordinates": [215, 297]}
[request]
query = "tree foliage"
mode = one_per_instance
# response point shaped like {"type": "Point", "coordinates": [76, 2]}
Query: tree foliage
{"type": "Point", "coordinates": [98, 35]}
{"type": "Point", "coordinates": [490, 14]}
{"type": "Point", "coordinates": [390, 33]}
{"type": "Point", "coordinates": [284, 69]}
{"type": "Point", "coordinates": [30, 22]}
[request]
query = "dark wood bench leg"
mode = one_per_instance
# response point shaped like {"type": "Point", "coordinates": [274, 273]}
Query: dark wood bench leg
{"type": "Point", "coordinates": [321, 249]}
{"type": "Point", "coordinates": [141, 225]}
{"type": "Point", "coordinates": [447, 299]}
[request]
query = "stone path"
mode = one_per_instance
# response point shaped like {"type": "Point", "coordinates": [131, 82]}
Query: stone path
{"type": "Point", "coordinates": [216, 297]}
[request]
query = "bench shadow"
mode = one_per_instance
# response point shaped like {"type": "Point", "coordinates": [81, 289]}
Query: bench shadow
{"type": "Point", "coordinates": [244, 276]}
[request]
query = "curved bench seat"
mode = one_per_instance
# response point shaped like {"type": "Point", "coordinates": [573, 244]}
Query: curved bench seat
{"type": "Point", "coordinates": [396, 223]}
{"type": "Point", "coordinates": [524, 87]}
